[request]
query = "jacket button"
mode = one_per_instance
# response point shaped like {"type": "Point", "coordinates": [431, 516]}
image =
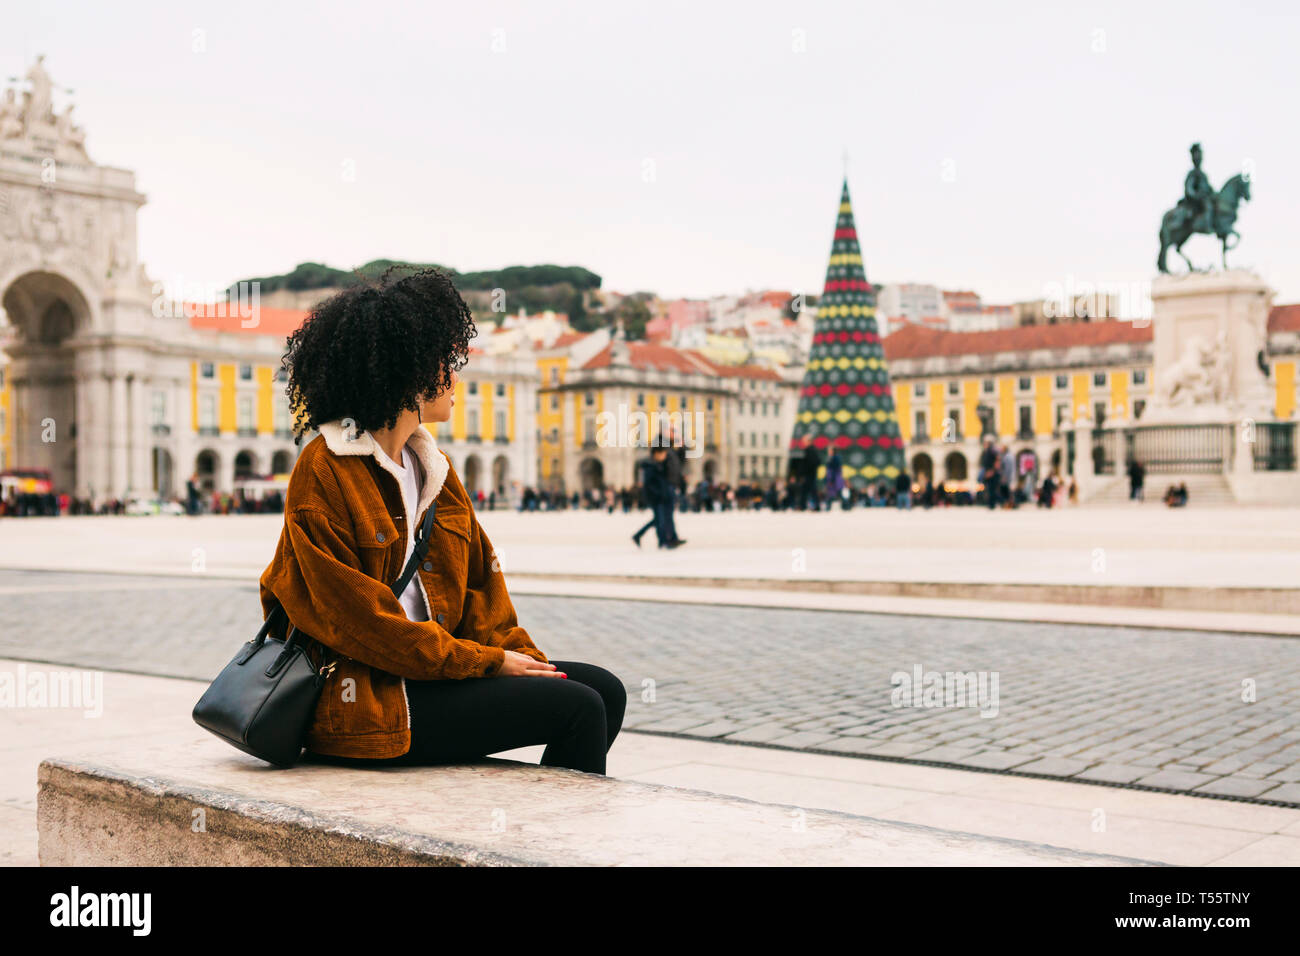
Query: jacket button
{"type": "Point", "coordinates": [441, 618]}
{"type": "Point", "coordinates": [428, 565]}
{"type": "Point", "coordinates": [380, 537]}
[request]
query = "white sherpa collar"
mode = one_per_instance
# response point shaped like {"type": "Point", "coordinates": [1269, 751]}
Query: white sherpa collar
{"type": "Point", "coordinates": [423, 447]}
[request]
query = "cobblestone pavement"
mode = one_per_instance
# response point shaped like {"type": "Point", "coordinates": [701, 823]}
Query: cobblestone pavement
{"type": "Point", "coordinates": [1198, 712]}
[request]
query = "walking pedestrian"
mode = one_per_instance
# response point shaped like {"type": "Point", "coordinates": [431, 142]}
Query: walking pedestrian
{"type": "Point", "coordinates": [1136, 479]}
{"type": "Point", "coordinates": [675, 473]}
{"type": "Point", "coordinates": [812, 464]}
{"type": "Point", "coordinates": [990, 472]}
{"type": "Point", "coordinates": [1047, 493]}
{"type": "Point", "coordinates": [1007, 476]}
{"type": "Point", "coordinates": [834, 477]}
{"type": "Point", "coordinates": [658, 495]}
{"type": "Point", "coordinates": [903, 490]}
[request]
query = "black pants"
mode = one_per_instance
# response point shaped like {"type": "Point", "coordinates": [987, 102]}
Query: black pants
{"type": "Point", "coordinates": [991, 491]}
{"type": "Point", "coordinates": [577, 718]}
{"type": "Point", "coordinates": [652, 523]}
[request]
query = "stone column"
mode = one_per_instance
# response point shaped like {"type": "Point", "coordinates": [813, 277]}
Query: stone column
{"type": "Point", "coordinates": [140, 446]}
{"type": "Point", "coordinates": [118, 430]}
{"type": "Point", "coordinates": [82, 401]}
{"type": "Point", "coordinates": [1044, 445]}
{"type": "Point", "coordinates": [1083, 471]}
{"type": "Point", "coordinates": [129, 441]}
{"type": "Point", "coordinates": [1122, 426]}
{"type": "Point", "coordinates": [526, 417]}
{"type": "Point", "coordinates": [1242, 453]}
{"type": "Point", "coordinates": [225, 476]}
{"type": "Point", "coordinates": [99, 439]}
{"type": "Point", "coordinates": [18, 426]}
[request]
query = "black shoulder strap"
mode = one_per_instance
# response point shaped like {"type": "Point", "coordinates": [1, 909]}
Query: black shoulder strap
{"type": "Point", "coordinates": [421, 549]}
{"type": "Point", "coordinates": [417, 555]}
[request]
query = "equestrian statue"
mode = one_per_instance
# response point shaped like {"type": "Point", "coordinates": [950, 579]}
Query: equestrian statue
{"type": "Point", "coordinates": [1202, 210]}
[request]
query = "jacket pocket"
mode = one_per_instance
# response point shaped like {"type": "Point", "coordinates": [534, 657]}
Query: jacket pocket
{"type": "Point", "coordinates": [359, 700]}
{"type": "Point", "coordinates": [377, 542]}
{"type": "Point", "coordinates": [455, 520]}
{"type": "Point", "coordinates": [445, 566]}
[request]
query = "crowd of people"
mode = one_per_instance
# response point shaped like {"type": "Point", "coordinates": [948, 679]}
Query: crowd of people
{"type": "Point", "coordinates": [1175, 495]}
{"type": "Point", "coordinates": [225, 503]}
{"type": "Point", "coordinates": [810, 487]}
{"type": "Point", "coordinates": [217, 503]}
{"type": "Point", "coordinates": [662, 488]}
{"type": "Point", "coordinates": [50, 504]}
{"type": "Point", "coordinates": [30, 504]}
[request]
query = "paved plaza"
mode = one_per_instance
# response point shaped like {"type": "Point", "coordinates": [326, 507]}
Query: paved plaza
{"type": "Point", "coordinates": [148, 724]}
{"type": "Point", "coordinates": [1154, 708]}
{"type": "Point", "coordinates": [1124, 546]}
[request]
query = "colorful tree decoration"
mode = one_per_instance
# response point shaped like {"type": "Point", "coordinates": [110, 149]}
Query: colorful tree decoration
{"type": "Point", "coordinates": [846, 404]}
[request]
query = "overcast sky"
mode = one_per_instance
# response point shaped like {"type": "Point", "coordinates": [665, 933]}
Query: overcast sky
{"type": "Point", "coordinates": [685, 148]}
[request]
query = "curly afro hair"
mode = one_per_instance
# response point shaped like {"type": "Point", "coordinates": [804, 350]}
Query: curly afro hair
{"type": "Point", "coordinates": [373, 350]}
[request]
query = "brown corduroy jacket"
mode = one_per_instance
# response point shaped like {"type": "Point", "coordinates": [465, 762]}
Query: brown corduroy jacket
{"type": "Point", "coordinates": [342, 548]}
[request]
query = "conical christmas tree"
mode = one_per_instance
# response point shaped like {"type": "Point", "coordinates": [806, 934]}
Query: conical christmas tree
{"type": "Point", "coordinates": [846, 404]}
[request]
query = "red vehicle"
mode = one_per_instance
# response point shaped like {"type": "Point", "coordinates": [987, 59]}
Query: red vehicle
{"type": "Point", "coordinates": [17, 483]}
{"type": "Point", "coordinates": [25, 481]}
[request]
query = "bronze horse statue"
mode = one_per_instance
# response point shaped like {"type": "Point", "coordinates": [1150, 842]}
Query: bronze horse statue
{"type": "Point", "coordinates": [1177, 226]}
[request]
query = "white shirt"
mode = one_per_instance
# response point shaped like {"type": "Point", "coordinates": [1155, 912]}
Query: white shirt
{"type": "Point", "coordinates": [412, 598]}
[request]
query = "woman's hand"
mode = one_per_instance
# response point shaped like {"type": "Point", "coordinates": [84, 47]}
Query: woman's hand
{"type": "Point", "coordinates": [521, 665]}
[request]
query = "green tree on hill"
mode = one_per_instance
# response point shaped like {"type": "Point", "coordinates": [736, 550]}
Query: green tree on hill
{"type": "Point", "coordinates": [535, 288]}
{"type": "Point", "coordinates": [635, 313]}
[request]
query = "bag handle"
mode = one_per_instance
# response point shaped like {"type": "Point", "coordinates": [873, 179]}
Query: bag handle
{"type": "Point", "coordinates": [252, 646]}
{"type": "Point", "coordinates": [417, 555]}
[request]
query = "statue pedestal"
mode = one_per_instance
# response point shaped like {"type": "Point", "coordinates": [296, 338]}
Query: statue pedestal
{"type": "Point", "coordinates": [1209, 332]}
{"type": "Point", "coordinates": [1210, 420]}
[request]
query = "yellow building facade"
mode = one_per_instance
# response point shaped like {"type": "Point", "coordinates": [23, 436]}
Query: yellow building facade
{"type": "Point", "coordinates": [596, 417]}
{"type": "Point", "coordinates": [1026, 387]}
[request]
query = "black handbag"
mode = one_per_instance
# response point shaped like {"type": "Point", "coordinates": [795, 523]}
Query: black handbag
{"type": "Point", "coordinates": [264, 700]}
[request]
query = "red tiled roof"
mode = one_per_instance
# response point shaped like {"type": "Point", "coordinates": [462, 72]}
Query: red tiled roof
{"type": "Point", "coordinates": [282, 322]}
{"type": "Point", "coordinates": [734, 371]}
{"type": "Point", "coordinates": [658, 357]}
{"type": "Point", "coordinates": [562, 341]}
{"type": "Point", "coordinates": [644, 355]}
{"type": "Point", "coordinates": [918, 341]}
{"type": "Point", "coordinates": [1284, 318]}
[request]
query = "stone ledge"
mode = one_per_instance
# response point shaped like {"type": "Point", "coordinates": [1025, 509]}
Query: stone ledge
{"type": "Point", "coordinates": [90, 815]}
{"type": "Point", "coordinates": [1254, 600]}
{"type": "Point", "coordinates": [497, 813]}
